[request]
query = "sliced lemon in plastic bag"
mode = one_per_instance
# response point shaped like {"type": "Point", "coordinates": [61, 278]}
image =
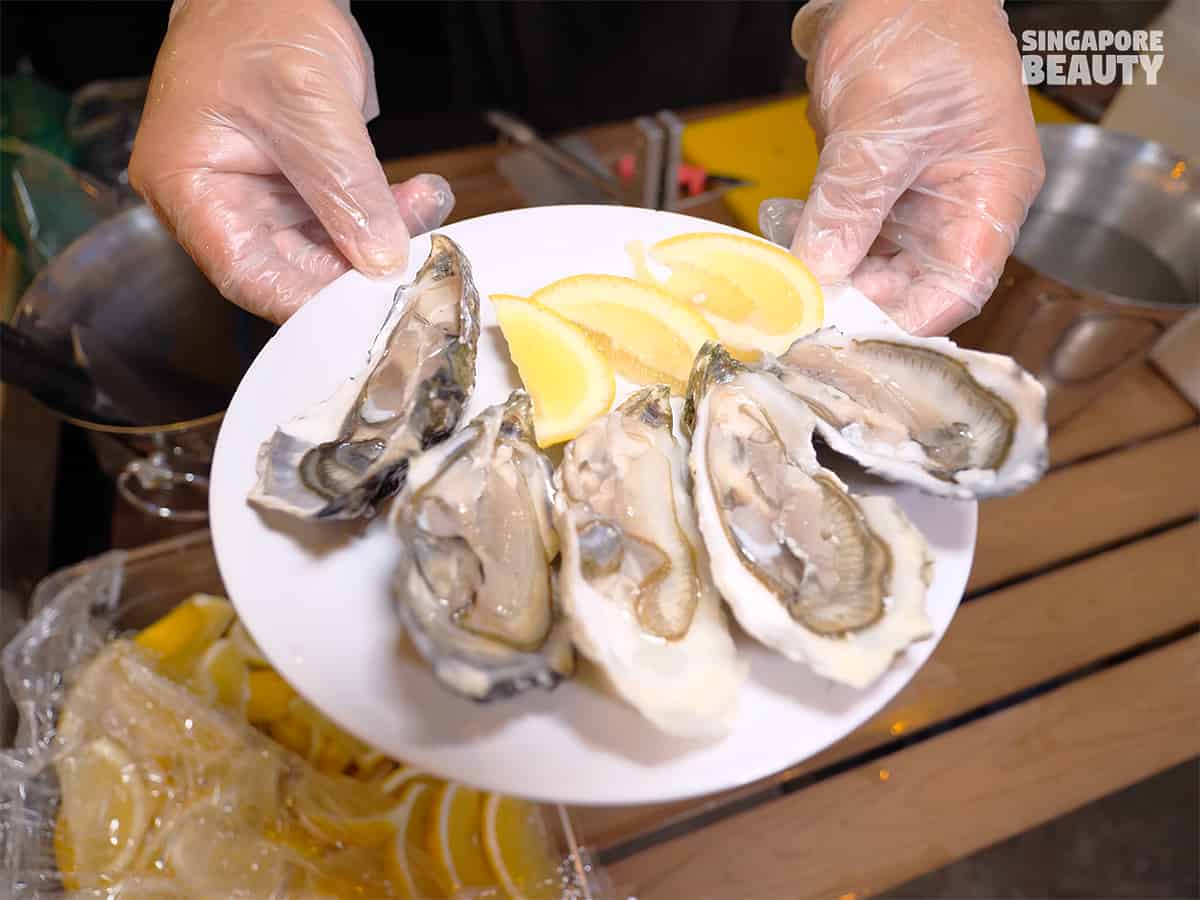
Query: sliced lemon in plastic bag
{"type": "Point", "coordinates": [212, 852]}
{"type": "Point", "coordinates": [250, 650]}
{"type": "Point", "coordinates": [569, 380]}
{"type": "Point", "coordinates": [408, 862]}
{"type": "Point", "coordinates": [180, 638]}
{"type": "Point", "coordinates": [400, 777]}
{"type": "Point", "coordinates": [518, 848]}
{"type": "Point", "coordinates": [120, 696]}
{"type": "Point", "coordinates": [222, 677]}
{"type": "Point", "coordinates": [104, 812]}
{"type": "Point", "coordinates": [453, 839]}
{"type": "Point", "coordinates": [344, 810]}
{"type": "Point", "coordinates": [269, 696]}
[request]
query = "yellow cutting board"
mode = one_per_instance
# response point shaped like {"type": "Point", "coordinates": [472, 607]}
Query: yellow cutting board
{"type": "Point", "coordinates": [773, 146]}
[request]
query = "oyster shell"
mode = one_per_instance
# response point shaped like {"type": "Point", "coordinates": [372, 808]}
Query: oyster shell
{"type": "Point", "coordinates": [954, 422]}
{"type": "Point", "coordinates": [474, 583]}
{"type": "Point", "coordinates": [634, 577]}
{"type": "Point", "coordinates": [351, 451]}
{"type": "Point", "coordinates": [823, 576]}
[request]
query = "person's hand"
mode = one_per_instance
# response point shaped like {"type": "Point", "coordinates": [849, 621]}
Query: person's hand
{"type": "Point", "coordinates": [253, 149]}
{"type": "Point", "coordinates": [929, 154]}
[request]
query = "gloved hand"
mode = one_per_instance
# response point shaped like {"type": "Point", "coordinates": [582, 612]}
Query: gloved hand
{"type": "Point", "coordinates": [253, 149]}
{"type": "Point", "coordinates": [929, 155]}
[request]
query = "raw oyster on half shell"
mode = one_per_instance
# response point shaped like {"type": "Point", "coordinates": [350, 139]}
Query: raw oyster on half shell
{"type": "Point", "coordinates": [954, 422]}
{"type": "Point", "coordinates": [475, 584]}
{"type": "Point", "coordinates": [826, 577]}
{"type": "Point", "coordinates": [351, 451]}
{"type": "Point", "coordinates": [635, 580]}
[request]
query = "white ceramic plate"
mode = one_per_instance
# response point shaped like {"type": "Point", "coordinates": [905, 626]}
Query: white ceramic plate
{"type": "Point", "coordinates": [316, 599]}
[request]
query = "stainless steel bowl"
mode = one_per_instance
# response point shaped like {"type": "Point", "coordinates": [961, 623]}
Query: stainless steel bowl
{"type": "Point", "coordinates": [1108, 259]}
{"type": "Point", "coordinates": [128, 307]}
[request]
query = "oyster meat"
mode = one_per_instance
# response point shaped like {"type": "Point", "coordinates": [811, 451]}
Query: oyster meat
{"type": "Point", "coordinates": [826, 577]}
{"type": "Point", "coordinates": [635, 581]}
{"type": "Point", "coordinates": [351, 451]}
{"type": "Point", "coordinates": [954, 422]}
{"type": "Point", "coordinates": [474, 584]}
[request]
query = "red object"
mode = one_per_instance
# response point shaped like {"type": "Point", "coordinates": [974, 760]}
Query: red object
{"type": "Point", "coordinates": [691, 179]}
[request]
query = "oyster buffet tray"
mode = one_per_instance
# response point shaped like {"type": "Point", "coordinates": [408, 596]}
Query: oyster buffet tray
{"type": "Point", "coordinates": [73, 613]}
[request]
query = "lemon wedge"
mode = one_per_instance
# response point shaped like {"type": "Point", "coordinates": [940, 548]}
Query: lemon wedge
{"type": "Point", "coordinates": [518, 848]}
{"type": "Point", "coordinates": [408, 865]}
{"type": "Point", "coordinates": [181, 637]}
{"type": "Point", "coordinates": [786, 300]}
{"type": "Point", "coordinates": [650, 336]}
{"type": "Point", "coordinates": [104, 812]}
{"type": "Point", "coordinates": [453, 839]}
{"type": "Point", "coordinates": [711, 293]}
{"type": "Point", "coordinates": [569, 380]}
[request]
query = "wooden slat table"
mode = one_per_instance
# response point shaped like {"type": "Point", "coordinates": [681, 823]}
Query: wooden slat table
{"type": "Point", "coordinates": [1071, 670]}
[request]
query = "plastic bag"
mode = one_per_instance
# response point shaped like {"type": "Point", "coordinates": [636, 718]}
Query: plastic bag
{"type": "Point", "coordinates": [195, 796]}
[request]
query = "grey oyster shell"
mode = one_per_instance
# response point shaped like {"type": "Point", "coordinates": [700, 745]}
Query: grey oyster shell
{"type": "Point", "coordinates": [832, 579]}
{"type": "Point", "coordinates": [475, 584]}
{"type": "Point", "coordinates": [352, 450]}
{"type": "Point", "coordinates": [923, 411]}
{"type": "Point", "coordinates": [635, 578]}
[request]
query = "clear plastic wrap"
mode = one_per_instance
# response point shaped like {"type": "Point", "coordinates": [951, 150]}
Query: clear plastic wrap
{"type": "Point", "coordinates": [195, 797]}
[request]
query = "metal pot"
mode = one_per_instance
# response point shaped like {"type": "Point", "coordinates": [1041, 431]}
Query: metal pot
{"type": "Point", "coordinates": [1108, 259]}
{"type": "Point", "coordinates": [151, 351]}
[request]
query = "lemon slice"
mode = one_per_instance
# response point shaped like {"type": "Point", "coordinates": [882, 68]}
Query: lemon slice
{"type": "Point", "coordinates": [180, 638]}
{"type": "Point", "coordinates": [332, 747]}
{"type": "Point", "coordinates": [103, 814]}
{"type": "Point", "coordinates": [787, 299]}
{"type": "Point", "coordinates": [408, 864]}
{"type": "Point", "coordinates": [296, 735]}
{"type": "Point", "coordinates": [370, 759]}
{"type": "Point", "coordinates": [250, 650]}
{"type": "Point", "coordinates": [569, 380]}
{"type": "Point", "coordinates": [650, 336]}
{"type": "Point", "coordinates": [453, 839]}
{"type": "Point", "coordinates": [269, 697]}
{"type": "Point", "coordinates": [119, 694]}
{"type": "Point", "coordinates": [518, 848]}
{"type": "Point", "coordinates": [221, 676]}
{"type": "Point", "coordinates": [344, 810]}
{"type": "Point", "coordinates": [402, 776]}
{"type": "Point", "coordinates": [213, 853]}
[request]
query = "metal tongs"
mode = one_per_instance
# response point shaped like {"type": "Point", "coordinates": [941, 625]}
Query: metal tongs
{"type": "Point", "coordinates": [657, 163]}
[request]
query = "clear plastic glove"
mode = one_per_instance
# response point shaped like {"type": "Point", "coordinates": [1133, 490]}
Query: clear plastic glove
{"type": "Point", "coordinates": [929, 154]}
{"type": "Point", "coordinates": [253, 149]}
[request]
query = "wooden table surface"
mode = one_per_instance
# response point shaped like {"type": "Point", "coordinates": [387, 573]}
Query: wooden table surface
{"type": "Point", "coordinates": [1071, 669]}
